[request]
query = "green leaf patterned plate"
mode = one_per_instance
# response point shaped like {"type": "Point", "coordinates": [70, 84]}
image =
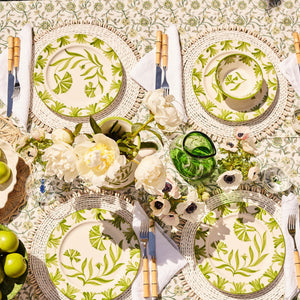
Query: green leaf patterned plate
{"type": "Point", "coordinates": [77, 75]}
{"type": "Point", "coordinates": [93, 254]}
{"type": "Point", "coordinates": [239, 248]}
{"type": "Point", "coordinates": [214, 101]}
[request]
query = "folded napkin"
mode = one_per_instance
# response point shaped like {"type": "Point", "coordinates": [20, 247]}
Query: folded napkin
{"type": "Point", "coordinates": [22, 101]}
{"type": "Point", "coordinates": [289, 68]}
{"type": "Point", "coordinates": [168, 258]}
{"type": "Point", "coordinates": [290, 205]}
{"type": "Point", "coordinates": [144, 71]}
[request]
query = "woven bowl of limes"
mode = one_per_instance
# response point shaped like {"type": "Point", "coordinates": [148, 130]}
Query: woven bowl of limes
{"type": "Point", "coordinates": [13, 263]}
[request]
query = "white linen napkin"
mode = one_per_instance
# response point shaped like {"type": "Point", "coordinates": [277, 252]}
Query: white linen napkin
{"type": "Point", "coordinates": [168, 258]}
{"type": "Point", "coordinates": [144, 71]}
{"type": "Point", "coordinates": [22, 101]}
{"type": "Point", "coordinates": [289, 68]}
{"type": "Point", "coordinates": [290, 205]}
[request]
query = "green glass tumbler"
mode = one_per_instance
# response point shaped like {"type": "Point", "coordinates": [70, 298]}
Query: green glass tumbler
{"type": "Point", "coordinates": [193, 155]}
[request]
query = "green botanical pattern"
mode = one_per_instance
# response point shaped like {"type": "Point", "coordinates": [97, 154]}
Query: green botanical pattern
{"type": "Point", "coordinates": [98, 253]}
{"type": "Point", "coordinates": [239, 248]}
{"type": "Point", "coordinates": [209, 92]}
{"type": "Point", "coordinates": [80, 68]}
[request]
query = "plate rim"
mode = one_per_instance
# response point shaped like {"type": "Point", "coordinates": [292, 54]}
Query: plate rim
{"type": "Point", "coordinates": [75, 225]}
{"type": "Point", "coordinates": [284, 249]}
{"type": "Point", "coordinates": [44, 86]}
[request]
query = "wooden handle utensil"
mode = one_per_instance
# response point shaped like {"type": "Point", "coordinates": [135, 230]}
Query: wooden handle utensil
{"type": "Point", "coordinates": [158, 47]}
{"type": "Point", "coordinates": [16, 52]}
{"type": "Point", "coordinates": [165, 50]}
{"type": "Point", "coordinates": [10, 53]}
{"type": "Point", "coordinates": [297, 264]}
{"type": "Point", "coordinates": [146, 283]}
{"type": "Point", "coordinates": [297, 46]}
{"type": "Point", "coordinates": [154, 292]}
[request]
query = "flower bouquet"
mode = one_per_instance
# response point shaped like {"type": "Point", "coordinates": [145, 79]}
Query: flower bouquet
{"type": "Point", "coordinates": [99, 156]}
{"type": "Point", "coordinates": [236, 160]}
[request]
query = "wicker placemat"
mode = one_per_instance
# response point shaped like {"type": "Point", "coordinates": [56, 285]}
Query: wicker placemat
{"type": "Point", "coordinates": [38, 271]}
{"type": "Point", "coordinates": [216, 128]}
{"type": "Point", "coordinates": [195, 281]}
{"type": "Point", "coordinates": [129, 97]}
{"type": "Point", "coordinates": [10, 133]}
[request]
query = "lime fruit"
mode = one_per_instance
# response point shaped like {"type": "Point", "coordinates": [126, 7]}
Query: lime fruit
{"type": "Point", "coordinates": [14, 265]}
{"type": "Point", "coordinates": [9, 242]}
{"type": "Point", "coordinates": [4, 172]}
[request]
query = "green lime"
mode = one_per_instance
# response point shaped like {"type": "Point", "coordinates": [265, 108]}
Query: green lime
{"type": "Point", "coordinates": [4, 172]}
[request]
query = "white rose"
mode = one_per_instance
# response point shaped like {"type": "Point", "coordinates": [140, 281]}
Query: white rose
{"type": "Point", "coordinates": [151, 174]}
{"type": "Point", "coordinates": [165, 113]}
{"type": "Point", "coordinates": [38, 134]}
{"type": "Point", "coordinates": [62, 135]}
{"type": "Point", "coordinates": [61, 161]}
{"type": "Point", "coordinates": [98, 159]}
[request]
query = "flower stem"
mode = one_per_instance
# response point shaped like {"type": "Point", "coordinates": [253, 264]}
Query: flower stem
{"type": "Point", "coordinates": [143, 126]}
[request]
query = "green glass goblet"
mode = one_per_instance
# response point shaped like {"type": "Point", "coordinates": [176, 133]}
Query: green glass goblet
{"type": "Point", "coordinates": [193, 155]}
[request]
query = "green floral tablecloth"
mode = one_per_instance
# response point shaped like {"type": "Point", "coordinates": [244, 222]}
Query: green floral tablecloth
{"type": "Point", "coordinates": [138, 20]}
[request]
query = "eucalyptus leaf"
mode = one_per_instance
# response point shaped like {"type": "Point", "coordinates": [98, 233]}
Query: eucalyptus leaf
{"type": "Point", "coordinates": [96, 128]}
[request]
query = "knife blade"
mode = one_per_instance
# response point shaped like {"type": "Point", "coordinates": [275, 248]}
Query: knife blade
{"type": "Point", "coordinates": [10, 86]}
{"type": "Point", "coordinates": [152, 253]}
{"type": "Point", "coordinates": [157, 60]}
{"type": "Point", "coordinates": [297, 47]}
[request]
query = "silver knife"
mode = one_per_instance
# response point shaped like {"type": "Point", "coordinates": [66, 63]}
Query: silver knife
{"type": "Point", "coordinates": [157, 60]}
{"type": "Point", "coordinates": [10, 87]}
{"type": "Point", "coordinates": [297, 47]}
{"type": "Point", "coordinates": [152, 253]}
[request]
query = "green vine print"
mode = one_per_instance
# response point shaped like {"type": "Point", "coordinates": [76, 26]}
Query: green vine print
{"type": "Point", "coordinates": [77, 266]}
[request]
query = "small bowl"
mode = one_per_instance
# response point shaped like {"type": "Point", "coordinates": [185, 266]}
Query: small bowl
{"type": "Point", "coordinates": [239, 76]}
{"type": "Point", "coordinates": [275, 180]}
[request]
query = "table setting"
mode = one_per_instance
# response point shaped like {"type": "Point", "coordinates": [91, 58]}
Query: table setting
{"type": "Point", "coordinates": [149, 150]}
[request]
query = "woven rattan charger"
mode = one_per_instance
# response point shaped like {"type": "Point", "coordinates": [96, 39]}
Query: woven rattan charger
{"type": "Point", "coordinates": [129, 97]}
{"type": "Point", "coordinates": [217, 128]}
{"type": "Point", "coordinates": [194, 280]}
{"type": "Point", "coordinates": [49, 220]}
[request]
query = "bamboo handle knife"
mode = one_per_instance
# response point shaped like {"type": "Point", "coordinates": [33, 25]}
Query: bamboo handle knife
{"type": "Point", "coordinates": [10, 53]}
{"type": "Point", "coordinates": [158, 47]}
{"type": "Point", "coordinates": [297, 264]}
{"type": "Point", "coordinates": [297, 46]}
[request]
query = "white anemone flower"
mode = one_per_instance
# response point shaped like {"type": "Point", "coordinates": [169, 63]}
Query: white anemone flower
{"type": "Point", "coordinates": [242, 132]}
{"type": "Point", "coordinates": [151, 174]}
{"type": "Point", "coordinates": [230, 145]}
{"type": "Point", "coordinates": [249, 145]}
{"type": "Point", "coordinates": [61, 161]}
{"type": "Point", "coordinates": [253, 173]}
{"type": "Point", "coordinates": [191, 209]}
{"type": "Point", "coordinates": [160, 206]}
{"type": "Point", "coordinates": [170, 219]}
{"type": "Point", "coordinates": [98, 159]}
{"type": "Point", "coordinates": [230, 180]}
{"type": "Point", "coordinates": [171, 188]}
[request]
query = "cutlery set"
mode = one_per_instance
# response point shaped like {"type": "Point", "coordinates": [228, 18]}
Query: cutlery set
{"type": "Point", "coordinates": [161, 52]}
{"type": "Point", "coordinates": [13, 62]}
{"type": "Point", "coordinates": [297, 47]}
{"type": "Point", "coordinates": [147, 237]}
{"type": "Point", "coordinates": [292, 231]}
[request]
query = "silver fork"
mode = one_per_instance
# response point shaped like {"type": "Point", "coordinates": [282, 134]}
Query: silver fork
{"type": "Point", "coordinates": [292, 232]}
{"type": "Point", "coordinates": [16, 65]}
{"type": "Point", "coordinates": [165, 85]}
{"type": "Point", "coordinates": [144, 237]}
